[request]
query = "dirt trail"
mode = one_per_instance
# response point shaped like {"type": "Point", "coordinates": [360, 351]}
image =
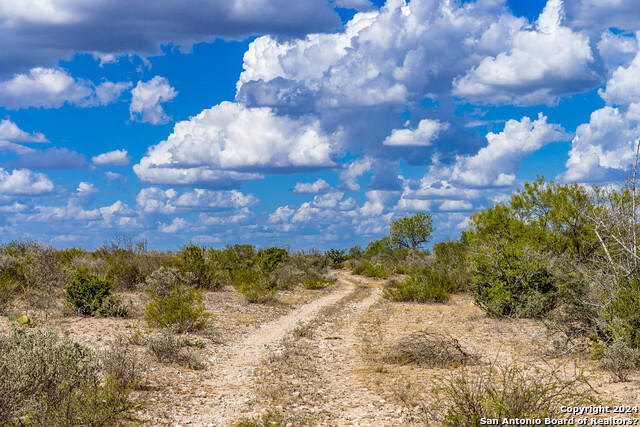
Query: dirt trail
{"type": "Point", "coordinates": [227, 390]}
{"type": "Point", "coordinates": [351, 401]}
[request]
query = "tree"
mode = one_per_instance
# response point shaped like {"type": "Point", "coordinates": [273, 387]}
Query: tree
{"type": "Point", "coordinates": [412, 231]}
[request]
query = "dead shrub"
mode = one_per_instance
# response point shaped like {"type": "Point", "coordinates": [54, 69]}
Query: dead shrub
{"type": "Point", "coordinates": [429, 349]}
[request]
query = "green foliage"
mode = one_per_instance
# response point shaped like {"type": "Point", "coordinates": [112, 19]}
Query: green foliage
{"type": "Point", "coordinates": [365, 268]}
{"type": "Point", "coordinates": [355, 252]}
{"type": "Point", "coordinates": [269, 259]}
{"type": "Point", "coordinates": [451, 258]}
{"type": "Point", "coordinates": [89, 294]}
{"type": "Point", "coordinates": [514, 249]}
{"type": "Point", "coordinates": [180, 308]}
{"type": "Point", "coordinates": [194, 260]}
{"type": "Point", "coordinates": [256, 289]}
{"type": "Point", "coordinates": [45, 380]}
{"type": "Point", "coordinates": [425, 285]}
{"type": "Point", "coordinates": [337, 257]}
{"type": "Point", "coordinates": [315, 282]}
{"type": "Point", "coordinates": [412, 231]}
{"type": "Point", "coordinates": [623, 312]}
{"type": "Point", "coordinates": [381, 247]}
{"type": "Point", "coordinates": [513, 281]}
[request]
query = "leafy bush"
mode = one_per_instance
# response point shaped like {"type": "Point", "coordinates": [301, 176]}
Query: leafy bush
{"type": "Point", "coordinates": [315, 282]}
{"type": "Point", "coordinates": [120, 362]}
{"type": "Point", "coordinates": [256, 288]}
{"type": "Point", "coordinates": [425, 285]}
{"type": "Point", "coordinates": [91, 295]}
{"type": "Point", "coordinates": [337, 257]}
{"type": "Point", "coordinates": [620, 360]}
{"type": "Point", "coordinates": [623, 312]}
{"type": "Point", "coordinates": [365, 268]}
{"type": "Point", "coordinates": [45, 380]}
{"type": "Point", "coordinates": [510, 392]}
{"type": "Point", "coordinates": [513, 281]}
{"type": "Point", "coordinates": [269, 259]}
{"type": "Point", "coordinates": [195, 263]}
{"type": "Point", "coordinates": [181, 308]}
{"type": "Point", "coordinates": [163, 280]}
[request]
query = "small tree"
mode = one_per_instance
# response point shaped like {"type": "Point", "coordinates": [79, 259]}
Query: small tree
{"type": "Point", "coordinates": [412, 231]}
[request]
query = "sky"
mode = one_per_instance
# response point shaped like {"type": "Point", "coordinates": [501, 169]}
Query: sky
{"type": "Point", "coordinates": [312, 123]}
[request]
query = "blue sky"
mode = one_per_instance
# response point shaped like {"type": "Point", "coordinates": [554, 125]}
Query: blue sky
{"type": "Point", "coordinates": [313, 123]}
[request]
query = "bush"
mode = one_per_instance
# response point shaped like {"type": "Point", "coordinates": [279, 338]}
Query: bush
{"type": "Point", "coordinates": [92, 296]}
{"type": "Point", "coordinates": [429, 349]}
{"type": "Point", "coordinates": [45, 380]}
{"type": "Point", "coordinates": [45, 278]}
{"type": "Point", "coordinates": [195, 263]}
{"type": "Point", "coordinates": [119, 361]}
{"type": "Point", "coordinates": [315, 282]}
{"type": "Point", "coordinates": [337, 257]}
{"type": "Point", "coordinates": [257, 289]}
{"type": "Point", "coordinates": [620, 360]}
{"type": "Point", "coordinates": [425, 285]}
{"type": "Point", "coordinates": [166, 346]}
{"type": "Point", "coordinates": [513, 281]}
{"type": "Point", "coordinates": [365, 268]}
{"type": "Point", "coordinates": [163, 280]}
{"type": "Point", "coordinates": [181, 308]}
{"type": "Point", "coordinates": [269, 259]}
{"type": "Point", "coordinates": [511, 392]}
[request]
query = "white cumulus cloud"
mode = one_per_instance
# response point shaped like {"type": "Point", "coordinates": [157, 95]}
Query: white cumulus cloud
{"type": "Point", "coordinates": [111, 158]}
{"type": "Point", "coordinates": [146, 98]}
{"type": "Point", "coordinates": [24, 182]}
{"type": "Point", "coordinates": [318, 186]}
{"type": "Point", "coordinates": [423, 136]}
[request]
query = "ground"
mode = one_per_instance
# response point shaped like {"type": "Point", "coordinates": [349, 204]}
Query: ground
{"type": "Point", "coordinates": [318, 357]}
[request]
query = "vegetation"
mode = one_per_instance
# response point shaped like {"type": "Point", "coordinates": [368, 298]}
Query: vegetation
{"type": "Point", "coordinates": [48, 380]}
{"type": "Point", "coordinates": [425, 285]}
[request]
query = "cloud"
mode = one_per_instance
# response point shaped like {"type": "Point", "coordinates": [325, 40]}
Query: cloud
{"type": "Point", "coordinates": [85, 189]}
{"type": "Point", "coordinates": [156, 200]}
{"type": "Point", "coordinates": [543, 62]}
{"type": "Point", "coordinates": [388, 57]}
{"type": "Point", "coordinates": [319, 186]}
{"type": "Point", "coordinates": [497, 163]}
{"type": "Point", "coordinates": [24, 182]}
{"type": "Point", "coordinates": [423, 136]}
{"type": "Point", "coordinates": [623, 87]}
{"type": "Point", "coordinates": [229, 142]}
{"type": "Point", "coordinates": [178, 224]}
{"type": "Point", "coordinates": [146, 98]}
{"type": "Point", "coordinates": [111, 158]}
{"type": "Point", "coordinates": [9, 131]}
{"type": "Point", "coordinates": [353, 4]}
{"type": "Point", "coordinates": [604, 147]}
{"type": "Point", "coordinates": [53, 87]}
{"type": "Point", "coordinates": [455, 206]}
{"type": "Point", "coordinates": [51, 158]}
{"type": "Point", "coordinates": [589, 14]}
{"type": "Point", "coordinates": [355, 169]}
{"type": "Point", "coordinates": [37, 32]}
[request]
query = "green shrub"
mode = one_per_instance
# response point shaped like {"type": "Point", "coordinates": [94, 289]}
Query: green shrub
{"type": "Point", "coordinates": [365, 268]}
{"type": "Point", "coordinates": [195, 263]}
{"type": "Point", "coordinates": [513, 281]}
{"type": "Point", "coordinates": [315, 282]}
{"type": "Point", "coordinates": [424, 285]}
{"type": "Point", "coordinates": [181, 308]}
{"type": "Point", "coordinates": [269, 259]}
{"type": "Point", "coordinates": [337, 257]}
{"type": "Point", "coordinates": [258, 291]}
{"type": "Point", "coordinates": [623, 312]}
{"type": "Point", "coordinates": [45, 380]}
{"type": "Point", "coordinates": [91, 295]}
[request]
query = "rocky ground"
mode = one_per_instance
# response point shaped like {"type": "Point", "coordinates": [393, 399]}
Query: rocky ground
{"type": "Point", "coordinates": [318, 358]}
